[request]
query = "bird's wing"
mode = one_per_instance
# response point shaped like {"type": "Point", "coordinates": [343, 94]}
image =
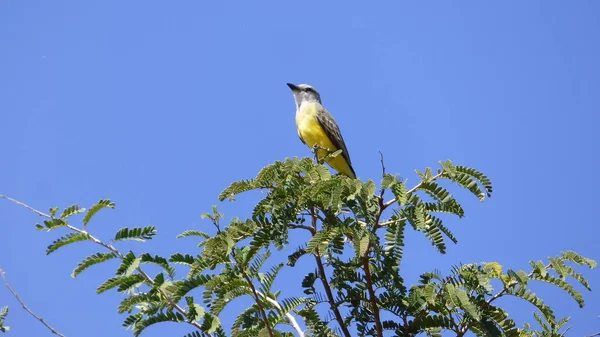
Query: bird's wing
{"type": "Point", "coordinates": [333, 132]}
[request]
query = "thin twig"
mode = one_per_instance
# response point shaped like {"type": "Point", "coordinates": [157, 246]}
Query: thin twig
{"type": "Point", "coordinates": [594, 335]}
{"type": "Point", "coordinates": [25, 306]}
{"type": "Point", "coordinates": [565, 332]}
{"type": "Point", "coordinates": [26, 206]}
{"type": "Point", "coordinates": [382, 174]}
{"type": "Point", "coordinates": [115, 251]}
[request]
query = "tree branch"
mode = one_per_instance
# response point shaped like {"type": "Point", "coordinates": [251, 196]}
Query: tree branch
{"type": "Point", "coordinates": [23, 303]}
{"type": "Point", "coordinates": [323, 277]}
{"type": "Point", "coordinates": [372, 296]}
{"type": "Point", "coordinates": [142, 272]}
{"type": "Point", "coordinates": [308, 228]}
{"type": "Point", "coordinates": [118, 253]}
{"type": "Point", "coordinates": [257, 299]}
{"type": "Point", "coordinates": [365, 263]}
{"type": "Point", "coordinates": [26, 206]}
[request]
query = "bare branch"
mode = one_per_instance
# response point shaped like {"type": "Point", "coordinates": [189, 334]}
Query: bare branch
{"type": "Point", "coordinates": [23, 303]}
{"type": "Point", "coordinates": [567, 330]}
{"type": "Point", "coordinates": [26, 206]}
{"type": "Point", "coordinates": [382, 175]}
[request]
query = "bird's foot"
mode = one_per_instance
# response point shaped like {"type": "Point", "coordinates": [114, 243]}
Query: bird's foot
{"type": "Point", "coordinates": [315, 150]}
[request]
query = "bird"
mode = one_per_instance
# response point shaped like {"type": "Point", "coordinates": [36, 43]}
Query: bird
{"type": "Point", "coordinates": [319, 131]}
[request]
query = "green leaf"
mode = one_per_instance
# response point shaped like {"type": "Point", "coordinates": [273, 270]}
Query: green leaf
{"type": "Point", "coordinates": [563, 285]}
{"type": "Point", "coordinates": [3, 314]}
{"type": "Point", "coordinates": [51, 224]}
{"type": "Point", "coordinates": [494, 268]}
{"type": "Point", "coordinates": [530, 297]}
{"type": "Point", "coordinates": [137, 234]}
{"type": "Point", "coordinates": [168, 316]}
{"type": "Point", "coordinates": [471, 172]}
{"type": "Point", "coordinates": [448, 167]}
{"type": "Point", "coordinates": [574, 257]}
{"type": "Point", "coordinates": [104, 203]}
{"type": "Point", "coordinates": [127, 261]}
{"type": "Point", "coordinates": [266, 281]}
{"type": "Point", "coordinates": [122, 282]}
{"type": "Point", "coordinates": [394, 240]}
{"type": "Point", "coordinates": [133, 266]}
{"type": "Point", "coordinates": [466, 304]}
{"type": "Point", "coordinates": [235, 188]}
{"type": "Point", "coordinates": [388, 181]}
{"type": "Point", "coordinates": [195, 311]}
{"type": "Point", "coordinates": [296, 255]}
{"type": "Point", "coordinates": [92, 260]}
{"type": "Point", "coordinates": [451, 207]}
{"type": "Point", "coordinates": [159, 261]}
{"type": "Point", "coordinates": [180, 288]}
{"type": "Point", "coordinates": [182, 259]}
{"type": "Point", "coordinates": [539, 268]}
{"type": "Point", "coordinates": [564, 271]}
{"type": "Point", "coordinates": [210, 323]}
{"type": "Point", "coordinates": [317, 242]}
{"type": "Point", "coordinates": [53, 211]}
{"type": "Point", "coordinates": [399, 190]}
{"type": "Point", "coordinates": [193, 233]}
{"type": "Point", "coordinates": [361, 244]}
{"type": "Point", "coordinates": [71, 210]}
{"type": "Point", "coordinates": [319, 173]}
{"type": "Point", "coordinates": [128, 304]}
{"type": "Point", "coordinates": [66, 240]}
{"type": "Point", "coordinates": [436, 191]}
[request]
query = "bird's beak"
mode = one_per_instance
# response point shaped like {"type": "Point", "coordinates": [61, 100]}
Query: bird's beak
{"type": "Point", "coordinates": [293, 86]}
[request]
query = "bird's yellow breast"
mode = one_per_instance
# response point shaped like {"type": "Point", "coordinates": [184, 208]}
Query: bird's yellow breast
{"type": "Point", "coordinates": [309, 129]}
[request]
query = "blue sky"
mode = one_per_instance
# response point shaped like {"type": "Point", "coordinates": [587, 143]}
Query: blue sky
{"type": "Point", "coordinates": [160, 105]}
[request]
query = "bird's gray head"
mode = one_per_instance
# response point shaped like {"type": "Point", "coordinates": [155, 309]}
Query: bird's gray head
{"type": "Point", "coordinates": [304, 93]}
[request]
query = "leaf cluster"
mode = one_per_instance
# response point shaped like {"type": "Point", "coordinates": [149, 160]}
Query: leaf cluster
{"type": "Point", "coordinates": [356, 242]}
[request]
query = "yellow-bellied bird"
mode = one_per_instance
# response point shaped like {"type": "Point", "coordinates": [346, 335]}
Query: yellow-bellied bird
{"type": "Point", "coordinates": [317, 129]}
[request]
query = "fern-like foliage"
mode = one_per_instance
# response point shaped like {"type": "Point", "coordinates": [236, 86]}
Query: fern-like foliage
{"type": "Point", "coordinates": [104, 203]}
{"type": "Point", "coordinates": [137, 234]}
{"type": "Point", "coordinates": [3, 314]}
{"type": "Point", "coordinates": [92, 260]}
{"type": "Point", "coordinates": [67, 240]}
{"type": "Point", "coordinates": [71, 210]}
{"type": "Point", "coordinates": [355, 240]}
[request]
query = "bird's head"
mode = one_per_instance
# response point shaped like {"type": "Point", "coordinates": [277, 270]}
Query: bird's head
{"type": "Point", "coordinates": [304, 93]}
